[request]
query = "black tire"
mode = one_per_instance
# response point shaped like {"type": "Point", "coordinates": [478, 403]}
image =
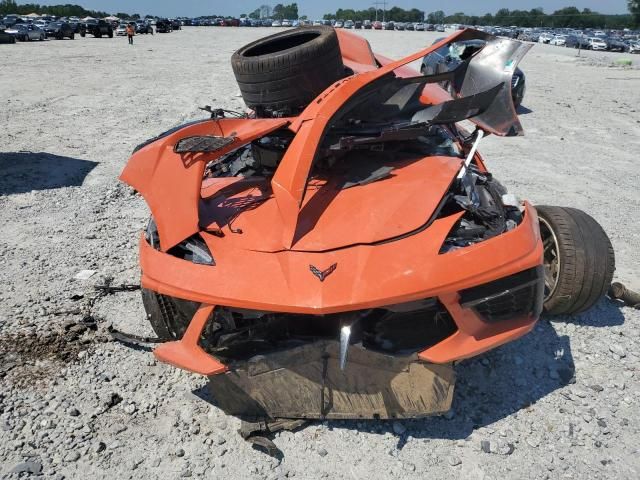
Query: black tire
{"type": "Point", "coordinates": [73, 36]}
{"type": "Point", "coordinates": [169, 316]}
{"type": "Point", "coordinates": [286, 71]}
{"type": "Point", "coordinates": [579, 260]}
{"type": "Point", "coordinates": [111, 34]}
{"type": "Point", "coordinates": [82, 34]}
{"type": "Point", "coordinates": [98, 35]}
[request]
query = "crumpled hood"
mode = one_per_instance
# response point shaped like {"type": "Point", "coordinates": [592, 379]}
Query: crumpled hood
{"type": "Point", "coordinates": [334, 217]}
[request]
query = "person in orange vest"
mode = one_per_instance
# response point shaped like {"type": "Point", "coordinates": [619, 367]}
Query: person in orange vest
{"type": "Point", "coordinates": [130, 33]}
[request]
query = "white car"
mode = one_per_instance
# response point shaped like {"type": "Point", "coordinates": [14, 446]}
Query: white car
{"type": "Point", "coordinates": [634, 47]}
{"type": "Point", "coordinates": [558, 40]}
{"type": "Point", "coordinates": [276, 23]}
{"type": "Point", "coordinates": [286, 23]}
{"type": "Point", "coordinates": [597, 44]}
{"type": "Point", "coordinates": [122, 29]}
{"type": "Point", "coordinates": [545, 37]}
{"type": "Point", "coordinates": [338, 24]}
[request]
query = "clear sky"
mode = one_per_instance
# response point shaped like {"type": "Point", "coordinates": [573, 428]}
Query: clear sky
{"type": "Point", "coordinates": [315, 9]}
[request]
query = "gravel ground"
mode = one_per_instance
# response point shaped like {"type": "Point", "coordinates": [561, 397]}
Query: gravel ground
{"type": "Point", "coordinates": [561, 402]}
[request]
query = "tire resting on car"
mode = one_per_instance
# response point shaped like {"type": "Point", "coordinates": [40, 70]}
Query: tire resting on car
{"type": "Point", "coordinates": [287, 70]}
{"type": "Point", "coordinates": [587, 260]}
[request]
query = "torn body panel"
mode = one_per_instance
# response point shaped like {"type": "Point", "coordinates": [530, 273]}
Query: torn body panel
{"type": "Point", "coordinates": [307, 382]}
{"type": "Point", "coordinates": [170, 182]}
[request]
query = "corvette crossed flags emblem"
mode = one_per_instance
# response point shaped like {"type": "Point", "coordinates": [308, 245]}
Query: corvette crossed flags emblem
{"type": "Point", "coordinates": [324, 273]}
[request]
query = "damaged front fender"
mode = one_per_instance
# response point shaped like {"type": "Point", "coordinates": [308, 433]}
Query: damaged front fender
{"type": "Point", "coordinates": [170, 181]}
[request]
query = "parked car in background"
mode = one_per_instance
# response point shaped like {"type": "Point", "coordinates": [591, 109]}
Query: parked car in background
{"type": "Point", "coordinates": [348, 24]}
{"type": "Point", "coordinates": [389, 26]}
{"type": "Point", "coordinates": [26, 32]}
{"type": "Point", "coordinates": [634, 47]}
{"type": "Point", "coordinates": [338, 24]}
{"type": "Point", "coordinates": [121, 31]}
{"type": "Point", "coordinates": [163, 26]}
{"type": "Point", "coordinates": [97, 28]}
{"type": "Point", "coordinates": [419, 27]}
{"type": "Point", "coordinates": [545, 37]}
{"type": "Point", "coordinates": [377, 25]}
{"type": "Point", "coordinates": [439, 28]}
{"type": "Point", "coordinates": [576, 41]}
{"type": "Point", "coordinates": [449, 57]}
{"type": "Point", "coordinates": [6, 37]}
{"type": "Point", "coordinates": [358, 24]}
{"type": "Point", "coordinates": [367, 25]}
{"type": "Point", "coordinates": [286, 23]}
{"type": "Point", "coordinates": [11, 20]}
{"type": "Point", "coordinates": [399, 26]}
{"type": "Point", "coordinates": [558, 40]}
{"type": "Point", "coordinates": [59, 30]}
{"type": "Point", "coordinates": [75, 26]}
{"type": "Point", "coordinates": [177, 24]}
{"type": "Point", "coordinates": [597, 44]}
{"type": "Point", "coordinates": [616, 44]}
{"type": "Point", "coordinates": [143, 27]}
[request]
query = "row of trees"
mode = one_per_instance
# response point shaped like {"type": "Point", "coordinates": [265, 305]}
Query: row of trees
{"type": "Point", "coordinates": [634, 9]}
{"type": "Point", "coordinates": [279, 12]}
{"type": "Point", "coordinates": [565, 17]}
{"type": "Point", "coordinates": [395, 14]}
{"type": "Point", "coordinates": [568, 17]}
{"type": "Point", "coordinates": [10, 6]}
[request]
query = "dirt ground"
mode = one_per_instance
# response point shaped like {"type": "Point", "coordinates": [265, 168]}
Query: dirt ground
{"type": "Point", "coordinates": [562, 402]}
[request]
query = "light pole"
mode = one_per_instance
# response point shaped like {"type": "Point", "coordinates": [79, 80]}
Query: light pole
{"type": "Point", "coordinates": [384, 7]}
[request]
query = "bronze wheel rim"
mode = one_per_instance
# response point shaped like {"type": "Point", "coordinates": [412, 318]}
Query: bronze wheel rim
{"type": "Point", "coordinates": [551, 259]}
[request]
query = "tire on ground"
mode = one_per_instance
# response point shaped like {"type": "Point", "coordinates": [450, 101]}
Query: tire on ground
{"type": "Point", "coordinates": [286, 71]}
{"type": "Point", "coordinates": [586, 259]}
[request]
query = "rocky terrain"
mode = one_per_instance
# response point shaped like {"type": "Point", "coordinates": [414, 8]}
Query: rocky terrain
{"type": "Point", "coordinates": [561, 402]}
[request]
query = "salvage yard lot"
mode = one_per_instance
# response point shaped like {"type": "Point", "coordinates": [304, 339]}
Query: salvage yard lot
{"type": "Point", "coordinates": [561, 402]}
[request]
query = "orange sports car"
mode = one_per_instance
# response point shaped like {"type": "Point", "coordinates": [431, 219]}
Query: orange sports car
{"type": "Point", "coordinates": [332, 252]}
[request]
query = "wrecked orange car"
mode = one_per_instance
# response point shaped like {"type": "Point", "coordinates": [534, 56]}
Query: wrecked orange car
{"type": "Point", "coordinates": [333, 252]}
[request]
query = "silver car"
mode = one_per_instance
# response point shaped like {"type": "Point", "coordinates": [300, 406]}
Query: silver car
{"type": "Point", "coordinates": [25, 33]}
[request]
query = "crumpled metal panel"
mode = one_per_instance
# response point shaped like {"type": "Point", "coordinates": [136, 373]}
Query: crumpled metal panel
{"type": "Point", "coordinates": [307, 382]}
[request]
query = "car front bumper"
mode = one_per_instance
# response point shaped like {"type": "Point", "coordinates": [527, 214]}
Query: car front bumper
{"type": "Point", "coordinates": [366, 277]}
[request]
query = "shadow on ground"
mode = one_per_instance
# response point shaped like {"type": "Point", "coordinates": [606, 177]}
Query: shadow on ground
{"type": "Point", "coordinates": [497, 384]}
{"type": "Point", "coordinates": [22, 172]}
{"type": "Point", "coordinates": [523, 110]}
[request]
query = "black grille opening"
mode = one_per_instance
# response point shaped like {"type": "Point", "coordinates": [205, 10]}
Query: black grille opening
{"type": "Point", "coordinates": [236, 334]}
{"type": "Point", "coordinates": [509, 297]}
{"type": "Point", "coordinates": [408, 330]}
